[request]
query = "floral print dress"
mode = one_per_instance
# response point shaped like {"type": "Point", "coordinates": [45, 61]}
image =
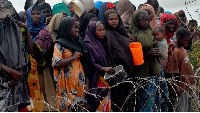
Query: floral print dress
{"type": "Point", "coordinates": [69, 80]}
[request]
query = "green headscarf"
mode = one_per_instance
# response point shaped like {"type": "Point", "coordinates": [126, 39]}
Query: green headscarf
{"type": "Point", "coordinates": [151, 67]}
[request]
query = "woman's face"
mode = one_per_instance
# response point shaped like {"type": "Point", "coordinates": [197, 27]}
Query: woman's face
{"type": "Point", "coordinates": [46, 13]}
{"type": "Point", "coordinates": [113, 21]}
{"type": "Point", "coordinates": [36, 17]}
{"type": "Point", "coordinates": [150, 13]}
{"type": "Point", "coordinates": [100, 31]}
{"type": "Point", "coordinates": [171, 25]}
{"type": "Point", "coordinates": [143, 19]}
{"type": "Point", "coordinates": [75, 29]}
{"type": "Point", "coordinates": [143, 23]}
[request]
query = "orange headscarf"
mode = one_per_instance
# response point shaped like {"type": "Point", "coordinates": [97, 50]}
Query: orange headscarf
{"type": "Point", "coordinates": [153, 23]}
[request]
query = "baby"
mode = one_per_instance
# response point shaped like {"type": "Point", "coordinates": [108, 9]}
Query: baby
{"type": "Point", "coordinates": [159, 33]}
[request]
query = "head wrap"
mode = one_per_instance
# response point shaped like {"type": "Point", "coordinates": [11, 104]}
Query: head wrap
{"type": "Point", "coordinates": [153, 23]}
{"type": "Point", "coordinates": [98, 4]}
{"type": "Point", "coordinates": [34, 29]}
{"type": "Point", "coordinates": [110, 5]}
{"type": "Point", "coordinates": [102, 9]}
{"type": "Point", "coordinates": [6, 8]}
{"type": "Point", "coordinates": [45, 5]}
{"type": "Point", "coordinates": [164, 19]}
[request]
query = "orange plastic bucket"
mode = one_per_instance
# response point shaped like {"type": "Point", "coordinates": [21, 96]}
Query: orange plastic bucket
{"type": "Point", "coordinates": [137, 53]}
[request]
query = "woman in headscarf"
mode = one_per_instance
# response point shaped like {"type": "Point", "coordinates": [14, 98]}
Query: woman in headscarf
{"type": "Point", "coordinates": [169, 22]}
{"type": "Point", "coordinates": [47, 12]}
{"type": "Point", "coordinates": [148, 73]}
{"type": "Point", "coordinates": [35, 20]}
{"type": "Point", "coordinates": [94, 41]}
{"type": "Point", "coordinates": [13, 68]}
{"type": "Point", "coordinates": [85, 21]}
{"type": "Point", "coordinates": [102, 9]}
{"type": "Point", "coordinates": [70, 65]}
{"type": "Point", "coordinates": [117, 47]}
{"type": "Point", "coordinates": [125, 10]}
{"type": "Point", "coordinates": [152, 15]}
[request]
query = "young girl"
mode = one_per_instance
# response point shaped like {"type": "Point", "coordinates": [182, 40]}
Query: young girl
{"type": "Point", "coordinates": [178, 65]}
{"type": "Point", "coordinates": [95, 34]}
{"type": "Point", "coordinates": [69, 64]}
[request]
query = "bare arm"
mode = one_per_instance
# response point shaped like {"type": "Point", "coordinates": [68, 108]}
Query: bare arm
{"type": "Point", "coordinates": [65, 62]}
{"type": "Point", "coordinates": [30, 41]}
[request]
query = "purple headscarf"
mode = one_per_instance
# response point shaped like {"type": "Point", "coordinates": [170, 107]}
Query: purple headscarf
{"type": "Point", "coordinates": [96, 44]}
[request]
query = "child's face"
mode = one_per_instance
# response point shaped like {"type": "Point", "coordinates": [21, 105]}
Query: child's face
{"type": "Point", "coordinates": [158, 35]}
{"type": "Point", "coordinates": [100, 31]}
{"type": "Point", "coordinates": [183, 42]}
{"type": "Point", "coordinates": [75, 29]}
{"type": "Point", "coordinates": [113, 21]}
{"type": "Point", "coordinates": [171, 25]}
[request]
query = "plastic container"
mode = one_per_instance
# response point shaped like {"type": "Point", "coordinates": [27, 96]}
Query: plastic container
{"type": "Point", "coordinates": [78, 6]}
{"type": "Point", "coordinates": [89, 5]}
{"type": "Point", "coordinates": [137, 53]}
{"type": "Point", "coordinates": [58, 7]}
{"type": "Point", "coordinates": [67, 2]}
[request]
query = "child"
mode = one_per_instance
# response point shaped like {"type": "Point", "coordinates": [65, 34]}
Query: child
{"type": "Point", "coordinates": [159, 34]}
{"type": "Point", "coordinates": [69, 64]}
{"type": "Point", "coordinates": [178, 65]}
{"type": "Point", "coordinates": [95, 34]}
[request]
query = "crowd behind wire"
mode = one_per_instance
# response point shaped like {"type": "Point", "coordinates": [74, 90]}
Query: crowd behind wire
{"type": "Point", "coordinates": [57, 61]}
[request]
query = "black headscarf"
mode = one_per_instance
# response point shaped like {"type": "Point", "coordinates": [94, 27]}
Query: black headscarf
{"type": "Point", "coordinates": [73, 44]}
{"type": "Point", "coordinates": [117, 44]}
{"type": "Point", "coordinates": [45, 5]}
{"type": "Point", "coordinates": [84, 23]}
{"type": "Point", "coordinates": [120, 29]}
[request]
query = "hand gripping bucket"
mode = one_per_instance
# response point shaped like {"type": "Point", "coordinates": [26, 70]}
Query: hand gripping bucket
{"type": "Point", "coordinates": [137, 53]}
{"type": "Point", "coordinates": [119, 76]}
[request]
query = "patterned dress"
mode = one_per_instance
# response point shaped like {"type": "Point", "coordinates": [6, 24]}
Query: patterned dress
{"type": "Point", "coordinates": [69, 80]}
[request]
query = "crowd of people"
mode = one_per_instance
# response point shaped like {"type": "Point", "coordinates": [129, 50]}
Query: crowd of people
{"type": "Point", "coordinates": [56, 61]}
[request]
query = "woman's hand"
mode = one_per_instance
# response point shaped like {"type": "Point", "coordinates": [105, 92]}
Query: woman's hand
{"type": "Point", "coordinates": [154, 52]}
{"type": "Point", "coordinates": [77, 54]}
{"type": "Point", "coordinates": [20, 24]}
{"type": "Point", "coordinates": [13, 82]}
{"type": "Point", "coordinates": [16, 75]}
{"type": "Point", "coordinates": [109, 70]}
